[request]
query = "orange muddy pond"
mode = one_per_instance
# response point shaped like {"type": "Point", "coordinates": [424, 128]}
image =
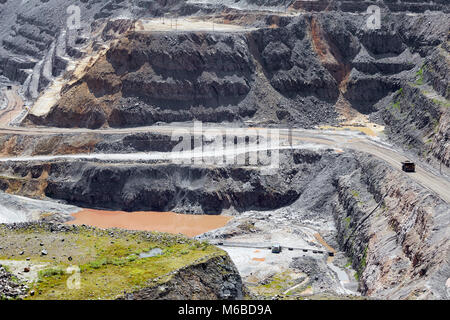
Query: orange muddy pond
{"type": "Point", "coordinates": [187, 224]}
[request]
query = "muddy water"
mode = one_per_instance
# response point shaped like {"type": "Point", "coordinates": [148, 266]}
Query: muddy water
{"type": "Point", "coordinates": [189, 225]}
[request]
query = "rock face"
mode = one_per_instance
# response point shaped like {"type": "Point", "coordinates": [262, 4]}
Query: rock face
{"type": "Point", "coordinates": [20, 145]}
{"type": "Point", "coordinates": [417, 115]}
{"type": "Point", "coordinates": [412, 119]}
{"type": "Point", "coordinates": [395, 231]}
{"type": "Point", "coordinates": [361, 6]}
{"type": "Point", "coordinates": [279, 74]}
{"type": "Point", "coordinates": [289, 71]}
{"type": "Point", "coordinates": [301, 71]}
{"type": "Point", "coordinates": [191, 189]}
{"type": "Point", "coordinates": [17, 209]}
{"type": "Point", "coordinates": [147, 78]}
{"type": "Point", "coordinates": [440, 147]}
{"type": "Point", "coordinates": [213, 279]}
{"type": "Point", "coordinates": [174, 84]}
{"type": "Point", "coordinates": [35, 44]}
{"type": "Point", "coordinates": [38, 42]}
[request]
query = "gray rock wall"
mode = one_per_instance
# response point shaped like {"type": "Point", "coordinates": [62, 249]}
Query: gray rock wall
{"type": "Point", "coordinates": [395, 231]}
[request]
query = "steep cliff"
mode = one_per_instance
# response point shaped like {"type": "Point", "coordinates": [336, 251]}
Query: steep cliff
{"type": "Point", "coordinates": [395, 231]}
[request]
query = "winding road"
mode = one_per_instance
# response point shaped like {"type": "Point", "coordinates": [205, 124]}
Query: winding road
{"type": "Point", "coordinates": [13, 109]}
{"type": "Point", "coordinates": [439, 184]}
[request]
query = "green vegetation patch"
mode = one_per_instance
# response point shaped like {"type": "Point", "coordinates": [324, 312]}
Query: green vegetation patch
{"type": "Point", "coordinates": [362, 264]}
{"type": "Point", "coordinates": [355, 193]}
{"type": "Point", "coordinates": [279, 283]}
{"type": "Point", "coordinates": [442, 103]}
{"type": "Point", "coordinates": [105, 263]}
{"type": "Point", "coordinates": [396, 105]}
{"type": "Point", "coordinates": [419, 76]}
{"type": "Point", "coordinates": [347, 220]}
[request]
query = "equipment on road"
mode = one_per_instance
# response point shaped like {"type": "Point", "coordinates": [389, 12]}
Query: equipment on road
{"type": "Point", "coordinates": [276, 248]}
{"type": "Point", "coordinates": [9, 88]}
{"type": "Point", "coordinates": [408, 166]}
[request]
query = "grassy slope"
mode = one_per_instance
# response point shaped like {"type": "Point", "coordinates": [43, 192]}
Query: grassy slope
{"type": "Point", "coordinates": [109, 262]}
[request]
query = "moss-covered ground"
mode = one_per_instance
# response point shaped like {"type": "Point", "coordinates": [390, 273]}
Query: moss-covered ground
{"type": "Point", "coordinates": [108, 261]}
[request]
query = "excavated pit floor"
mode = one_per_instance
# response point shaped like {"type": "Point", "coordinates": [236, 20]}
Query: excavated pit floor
{"type": "Point", "coordinates": [293, 272]}
{"type": "Point", "coordinates": [173, 24]}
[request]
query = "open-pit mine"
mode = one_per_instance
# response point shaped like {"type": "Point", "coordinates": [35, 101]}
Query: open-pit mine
{"type": "Point", "coordinates": [234, 149]}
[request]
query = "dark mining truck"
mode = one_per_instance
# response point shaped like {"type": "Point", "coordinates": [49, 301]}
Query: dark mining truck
{"type": "Point", "coordinates": [408, 166]}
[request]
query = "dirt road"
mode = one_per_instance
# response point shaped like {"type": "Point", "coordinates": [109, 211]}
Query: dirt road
{"type": "Point", "coordinates": [336, 139]}
{"type": "Point", "coordinates": [344, 140]}
{"type": "Point", "coordinates": [438, 184]}
{"type": "Point", "coordinates": [14, 108]}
